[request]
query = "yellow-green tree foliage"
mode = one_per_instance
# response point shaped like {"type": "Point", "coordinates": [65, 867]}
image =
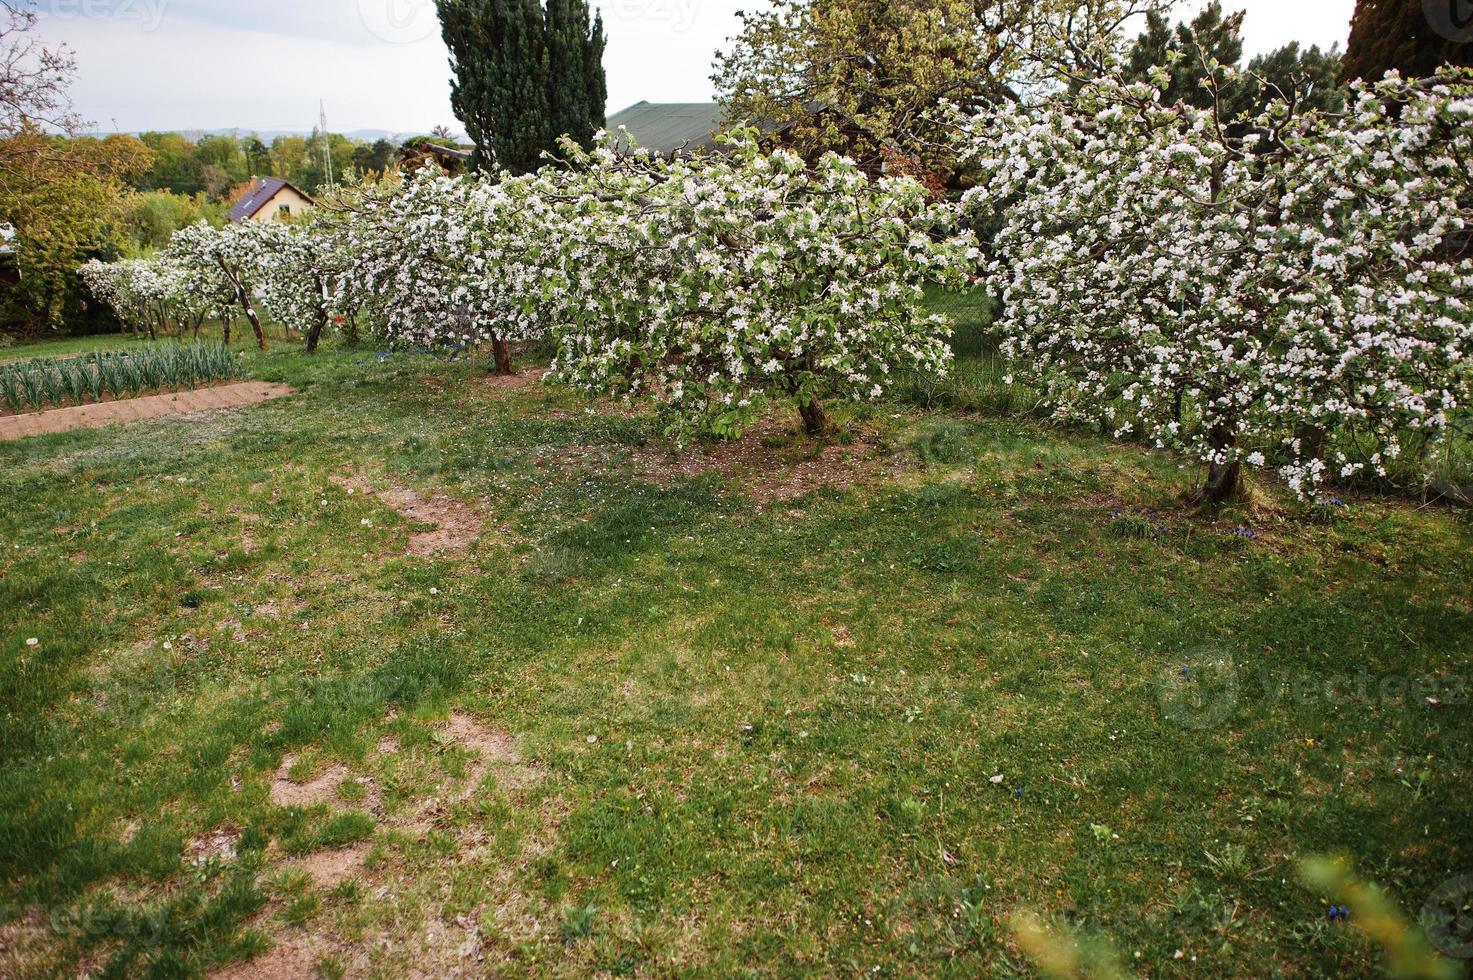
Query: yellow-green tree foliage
{"type": "Point", "coordinates": [867, 76]}
{"type": "Point", "coordinates": [66, 199]}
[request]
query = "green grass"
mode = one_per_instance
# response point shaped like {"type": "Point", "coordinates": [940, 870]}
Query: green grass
{"type": "Point", "coordinates": [732, 733]}
{"type": "Point", "coordinates": [55, 346]}
{"type": "Point", "coordinates": [68, 346]}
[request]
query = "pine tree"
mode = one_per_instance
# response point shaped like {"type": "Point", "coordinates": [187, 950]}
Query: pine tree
{"type": "Point", "coordinates": [1311, 74]}
{"type": "Point", "coordinates": [1415, 37]}
{"type": "Point", "coordinates": [1211, 36]}
{"type": "Point", "coordinates": [523, 76]}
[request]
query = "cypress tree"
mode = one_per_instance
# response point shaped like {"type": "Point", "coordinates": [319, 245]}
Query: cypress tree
{"type": "Point", "coordinates": [1416, 37]}
{"type": "Point", "coordinates": [522, 76]}
{"type": "Point", "coordinates": [576, 88]}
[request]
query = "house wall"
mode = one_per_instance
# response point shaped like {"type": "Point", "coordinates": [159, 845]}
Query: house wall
{"type": "Point", "coordinates": [284, 198]}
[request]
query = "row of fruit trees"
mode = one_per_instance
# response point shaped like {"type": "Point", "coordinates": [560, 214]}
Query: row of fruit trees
{"type": "Point", "coordinates": [1288, 291]}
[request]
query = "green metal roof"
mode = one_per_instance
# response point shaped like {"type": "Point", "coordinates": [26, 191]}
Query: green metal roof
{"type": "Point", "coordinates": [671, 128]}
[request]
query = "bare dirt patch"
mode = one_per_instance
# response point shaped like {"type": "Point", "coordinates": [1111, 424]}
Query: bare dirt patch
{"type": "Point", "coordinates": [493, 746]}
{"type": "Point", "coordinates": [771, 463]}
{"type": "Point", "coordinates": [284, 961]}
{"type": "Point", "coordinates": [98, 415]}
{"type": "Point", "coordinates": [456, 525]}
{"type": "Point", "coordinates": [219, 843]}
{"type": "Point", "coordinates": [321, 788]}
{"type": "Point", "coordinates": [331, 868]}
{"type": "Point", "coordinates": [26, 947]}
{"type": "Point", "coordinates": [513, 382]}
{"type": "Point", "coordinates": [496, 749]}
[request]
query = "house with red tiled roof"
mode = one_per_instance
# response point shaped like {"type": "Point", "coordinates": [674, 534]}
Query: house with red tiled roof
{"type": "Point", "coordinates": [267, 198]}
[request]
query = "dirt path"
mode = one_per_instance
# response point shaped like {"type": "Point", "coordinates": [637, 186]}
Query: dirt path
{"type": "Point", "coordinates": [132, 409]}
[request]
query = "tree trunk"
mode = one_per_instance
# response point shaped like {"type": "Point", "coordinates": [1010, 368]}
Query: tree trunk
{"type": "Point", "coordinates": [815, 420]}
{"type": "Point", "coordinates": [501, 350]}
{"type": "Point", "coordinates": [1311, 441]}
{"type": "Point", "coordinates": [315, 334]}
{"type": "Point", "coordinates": [1224, 480]}
{"type": "Point", "coordinates": [243, 297]}
{"type": "Point", "coordinates": [250, 313]}
{"type": "Point", "coordinates": [225, 325]}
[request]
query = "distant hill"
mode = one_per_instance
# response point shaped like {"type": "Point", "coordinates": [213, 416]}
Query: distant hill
{"type": "Point", "coordinates": [360, 135]}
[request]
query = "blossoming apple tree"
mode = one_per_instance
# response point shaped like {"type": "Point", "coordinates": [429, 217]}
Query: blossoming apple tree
{"type": "Point", "coordinates": [300, 270]}
{"type": "Point", "coordinates": [1290, 290]}
{"type": "Point", "coordinates": [442, 261]}
{"type": "Point", "coordinates": [148, 295]}
{"type": "Point", "coordinates": [717, 285]}
{"type": "Point", "coordinates": [225, 262]}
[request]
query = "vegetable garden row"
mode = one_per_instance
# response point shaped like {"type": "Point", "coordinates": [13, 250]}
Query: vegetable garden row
{"type": "Point", "coordinates": [1286, 290]}
{"type": "Point", "coordinates": [44, 383]}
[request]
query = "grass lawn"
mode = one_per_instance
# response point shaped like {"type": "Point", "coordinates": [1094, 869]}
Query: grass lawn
{"type": "Point", "coordinates": [60, 346]}
{"type": "Point", "coordinates": [65, 346]}
{"type": "Point", "coordinates": [653, 720]}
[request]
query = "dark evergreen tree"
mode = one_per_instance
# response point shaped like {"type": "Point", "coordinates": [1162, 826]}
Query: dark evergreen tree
{"type": "Point", "coordinates": [1416, 37]}
{"type": "Point", "coordinates": [1210, 37]}
{"type": "Point", "coordinates": [523, 76]}
{"type": "Point", "coordinates": [577, 91]}
{"type": "Point", "coordinates": [1309, 75]}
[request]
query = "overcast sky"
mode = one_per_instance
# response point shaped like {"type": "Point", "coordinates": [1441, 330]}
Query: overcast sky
{"type": "Point", "coordinates": [380, 64]}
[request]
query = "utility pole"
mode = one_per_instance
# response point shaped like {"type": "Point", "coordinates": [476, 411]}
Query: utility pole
{"type": "Point", "coordinates": [326, 142]}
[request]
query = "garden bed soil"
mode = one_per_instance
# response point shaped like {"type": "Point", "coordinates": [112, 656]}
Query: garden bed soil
{"type": "Point", "coordinates": [97, 415]}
